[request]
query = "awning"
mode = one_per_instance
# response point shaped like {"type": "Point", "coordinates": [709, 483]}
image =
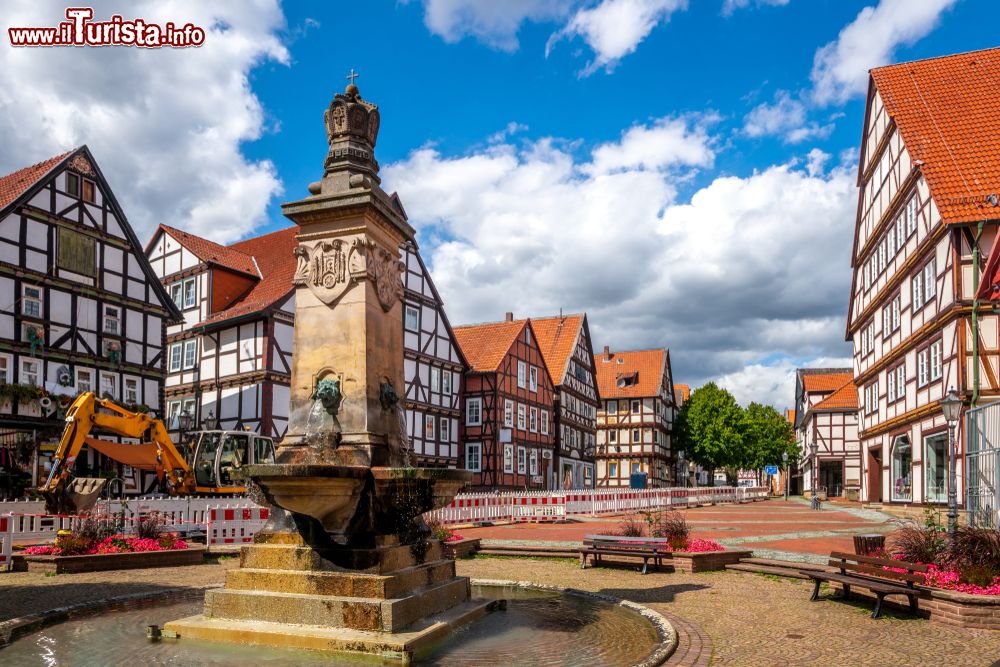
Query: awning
{"type": "Point", "coordinates": [142, 456]}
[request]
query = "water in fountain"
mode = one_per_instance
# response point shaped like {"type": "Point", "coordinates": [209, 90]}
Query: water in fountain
{"type": "Point", "coordinates": [322, 432]}
{"type": "Point", "coordinates": [405, 446]}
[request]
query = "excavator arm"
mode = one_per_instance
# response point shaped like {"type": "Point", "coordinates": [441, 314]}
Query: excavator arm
{"type": "Point", "coordinates": [87, 413]}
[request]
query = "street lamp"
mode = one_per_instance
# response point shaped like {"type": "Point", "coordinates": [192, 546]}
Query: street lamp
{"type": "Point", "coordinates": [813, 451]}
{"type": "Point", "coordinates": [951, 406]}
{"type": "Point", "coordinates": [784, 460]}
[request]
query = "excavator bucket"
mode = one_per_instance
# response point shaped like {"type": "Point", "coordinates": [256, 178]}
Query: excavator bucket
{"type": "Point", "coordinates": [76, 498]}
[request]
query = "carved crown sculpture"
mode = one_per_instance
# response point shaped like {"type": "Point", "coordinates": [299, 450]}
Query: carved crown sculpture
{"type": "Point", "coordinates": [351, 129]}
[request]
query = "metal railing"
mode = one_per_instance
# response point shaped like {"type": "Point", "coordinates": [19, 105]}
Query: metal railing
{"type": "Point", "coordinates": [982, 465]}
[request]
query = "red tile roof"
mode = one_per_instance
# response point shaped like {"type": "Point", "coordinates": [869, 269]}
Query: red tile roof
{"type": "Point", "coordinates": [820, 383]}
{"type": "Point", "coordinates": [273, 254]}
{"type": "Point", "coordinates": [948, 115]}
{"type": "Point", "coordinates": [556, 337]}
{"type": "Point", "coordinates": [682, 392]}
{"type": "Point", "coordinates": [230, 257]}
{"type": "Point", "coordinates": [15, 184]}
{"type": "Point", "coordinates": [649, 364]}
{"type": "Point", "coordinates": [844, 397]}
{"type": "Point", "coordinates": [485, 345]}
{"type": "Point", "coordinates": [790, 414]}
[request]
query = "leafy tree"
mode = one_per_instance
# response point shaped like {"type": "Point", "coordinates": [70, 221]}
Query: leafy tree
{"type": "Point", "coordinates": [766, 435]}
{"type": "Point", "coordinates": [710, 427]}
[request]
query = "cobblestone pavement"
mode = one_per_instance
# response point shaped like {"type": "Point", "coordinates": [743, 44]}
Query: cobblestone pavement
{"type": "Point", "coordinates": [750, 620]}
{"type": "Point", "coordinates": [772, 528]}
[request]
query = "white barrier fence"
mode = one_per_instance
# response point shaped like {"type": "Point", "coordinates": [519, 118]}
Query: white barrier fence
{"type": "Point", "coordinates": [239, 519]}
{"type": "Point", "coordinates": [556, 505]}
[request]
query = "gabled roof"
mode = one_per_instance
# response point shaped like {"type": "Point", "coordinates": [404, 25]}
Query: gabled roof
{"type": "Point", "coordinates": [645, 366]}
{"type": "Point", "coordinates": [485, 345]}
{"type": "Point", "coordinates": [21, 185]}
{"type": "Point", "coordinates": [844, 397]}
{"type": "Point", "coordinates": [15, 184]}
{"type": "Point", "coordinates": [818, 381]}
{"type": "Point", "coordinates": [273, 256]}
{"type": "Point", "coordinates": [683, 392]}
{"type": "Point", "coordinates": [556, 337]}
{"type": "Point", "coordinates": [230, 257]}
{"type": "Point", "coordinates": [947, 111]}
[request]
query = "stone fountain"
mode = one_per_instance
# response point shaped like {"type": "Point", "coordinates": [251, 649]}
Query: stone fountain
{"type": "Point", "coordinates": [346, 562]}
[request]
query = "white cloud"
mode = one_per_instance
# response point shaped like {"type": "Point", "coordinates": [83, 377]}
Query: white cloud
{"type": "Point", "coordinates": [772, 384]}
{"type": "Point", "coordinates": [668, 142]}
{"type": "Point", "coordinates": [493, 23]}
{"type": "Point", "coordinates": [750, 268]}
{"type": "Point", "coordinates": [164, 124]}
{"type": "Point", "coordinates": [840, 68]}
{"type": "Point", "coordinates": [815, 161]}
{"type": "Point", "coordinates": [786, 118]}
{"type": "Point", "coordinates": [730, 6]}
{"type": "Point", "coordinates": [614, 28]}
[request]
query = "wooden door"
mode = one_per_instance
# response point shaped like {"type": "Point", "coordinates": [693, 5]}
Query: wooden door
{"type": "Point", "coordinates": [875, 475]}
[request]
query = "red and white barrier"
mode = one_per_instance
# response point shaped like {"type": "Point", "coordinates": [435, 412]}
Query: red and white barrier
{"type": "Point", "coordinates": [6, 542]}
{"type": "Point", "coordinates": [234, 525]}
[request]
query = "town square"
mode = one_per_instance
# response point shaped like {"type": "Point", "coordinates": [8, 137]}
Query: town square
{"type": "Point", "coordinates": [454, 332]}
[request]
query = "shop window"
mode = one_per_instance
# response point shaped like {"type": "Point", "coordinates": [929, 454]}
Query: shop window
{"type": "Point", "coordinates": [902, 469]}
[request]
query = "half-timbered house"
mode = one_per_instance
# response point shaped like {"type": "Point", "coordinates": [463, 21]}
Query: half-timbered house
{"type": "Point", "coordinates": [80, 307]}
{"type": "Point", "coordinates": [508, 430]}
{"type": "Point", "coordinates": [569, 356]}
{"type": "Point", "coordinates": [826, 414]}
{"type": "Point", "coordinates": [432, 365]}
{"type": "Point", "coordinates": [635, 422]}
{"type": "Point", "coordinates": [927, 212]}
{"type": "Point", "coordinates": [229, 360]}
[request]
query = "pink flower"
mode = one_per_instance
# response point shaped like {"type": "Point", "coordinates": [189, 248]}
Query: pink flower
{"type": "Point", "coordinates": [454, 537]}
{"type": "Point", "coordinates": [698, 545]}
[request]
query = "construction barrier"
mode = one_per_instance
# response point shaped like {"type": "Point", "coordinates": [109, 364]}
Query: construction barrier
{"type": "Point", "coordinates": [6, 542]}
{"type": "Point", "coordinates": [234, 525]}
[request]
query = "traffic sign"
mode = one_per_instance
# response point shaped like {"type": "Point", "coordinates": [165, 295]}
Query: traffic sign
{"type": "Point", "coordinates": [771, 470]}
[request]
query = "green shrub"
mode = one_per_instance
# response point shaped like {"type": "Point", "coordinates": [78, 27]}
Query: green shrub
{"type": "Point", "coordinates": [630, 526]}
{"type": "Point", "coordinates": [917, 544]}
{"type": "Point", "coordinates": [976, 548]}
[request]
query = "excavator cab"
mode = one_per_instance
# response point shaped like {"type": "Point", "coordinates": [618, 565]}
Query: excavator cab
{"type": "Point", "coordinates": [215, 454]}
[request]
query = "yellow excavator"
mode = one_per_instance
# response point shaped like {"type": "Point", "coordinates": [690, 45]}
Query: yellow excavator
{"type": "Point", "coordinates": [204, 468]}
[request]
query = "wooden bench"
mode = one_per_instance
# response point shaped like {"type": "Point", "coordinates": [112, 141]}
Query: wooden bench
{"type": "Point", "coordinates": [869, 572]}
{"type": "Point", "coordinates": [647, 548]}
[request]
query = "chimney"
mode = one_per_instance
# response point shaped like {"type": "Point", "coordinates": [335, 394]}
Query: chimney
{"type": "Point", "coordinates": [508, 316]}
{"type": "Point", "coordinates": [607, 353]}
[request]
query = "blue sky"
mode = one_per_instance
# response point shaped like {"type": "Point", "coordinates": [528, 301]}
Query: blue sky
{"type": "Point", "coordinates": [683, 171]}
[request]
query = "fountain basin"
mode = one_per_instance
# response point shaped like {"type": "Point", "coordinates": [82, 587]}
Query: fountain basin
{"type": "Point", "coordinates": [327, 493]}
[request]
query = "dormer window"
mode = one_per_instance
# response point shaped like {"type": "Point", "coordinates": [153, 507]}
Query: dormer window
{"type": "Point", "coordinates": [78, 186]}
{"type": "Point", "coordinates": [620, 361]}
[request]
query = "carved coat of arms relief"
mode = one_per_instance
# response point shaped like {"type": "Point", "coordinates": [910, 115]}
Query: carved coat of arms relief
{"type": "Point", "coordinates": [329, 268]}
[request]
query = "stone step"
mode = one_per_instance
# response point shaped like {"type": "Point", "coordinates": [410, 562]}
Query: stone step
{"type": "Point", "coordinates": [344, 584]}
{"type": "Point", "coordinates": [767, 569]}
{"type": "Point", "coordinates": [357, 613]}
{"type": "Point", "coordinates": [384, 560]}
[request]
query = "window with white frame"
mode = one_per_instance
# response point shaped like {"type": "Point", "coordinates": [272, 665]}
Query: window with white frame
{"type": "Point", "coordinates": [901, 381]}
{"type": "Point", "coordinates": [545, 422]}
{"type": "Point", "coordinates": [6, 369]}
{"type": "Point", "coordinates": [890, 386]}
{"type": "Point", "coordinates": [613, 437]}
{"type": "Point", "coordinates": [522, 456]}
{"type": "Point", "coordinates": [176, 357]}
{"type": "Point", "coordinates": [636, 407]}
{"type": "Point", "coordinates": [109, 385]}
{"type": "Point", "coordinates": [31, 371]}
{"type": "Point", "coordinates": [508, 458]}
{"type": "Point", "coordinates": [429, 427]}
{"type": "Point", "coordinates": [435, 378]}
{"type": "Point", "coordinates": [189, 293]}
{"type": "Point", "coordinates": [521, 417]}
{"type": "Point", "coordinates": [474, 411]}
{"type": "Point", "coordinates": [636, 435]}
{"type": "Point", "coordinates": [612, 407]}
{"type": "Point", "coordinates": [182, 407]}
{"type": "Point", "coordinates": [473, 456]}
{"type": "Point", "coordinates": [131, 390]}
{"type": "Point", "coordinates": [900, 232]}
{"type": "Point", "coordinates": [508, 413]}
{"type": "Point", "coordinates": [112, 320]}
{"type": "Point", "coordinates": [84, 380]}
{"type": "Point", "coordinates": [446, 381]}
{"type": "Point", "coordinates": [890, 317]}
{"type": "Point", "coordinates": [533, 420]}
{"type": "Point", "coordinates": [31, 301]}
{"type": "Point", "coordinates": [917, 285]}
{"type": "Point", "coordinates": [930, 280]}
{"type": "Point", "coordinates": [533, 462]}
{"type": "Point", "coordinates": [190, 353]}
{"type": "Point", "coordinates": [412, 318]}
{"type": "Point", "coordinates": [522, 371]}
{"type": "Point", "coordinates": [911, 214]}
{"type": "Point", "coordinates": [923, 368]}
{"type": "Point", "coordinates": [533, 378]}
{"type": "Point", "coordinates": [177, 293]}
{"type": "Point", "coordinates": [935, 361]}
{"type": "Point", "coordinates": [444, 429]}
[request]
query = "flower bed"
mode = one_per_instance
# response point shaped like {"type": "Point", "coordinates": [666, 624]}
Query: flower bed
{"type": "Point", "coordinates": [96, 562]}
{"type": "Point", "coordinates": [116, 544]}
